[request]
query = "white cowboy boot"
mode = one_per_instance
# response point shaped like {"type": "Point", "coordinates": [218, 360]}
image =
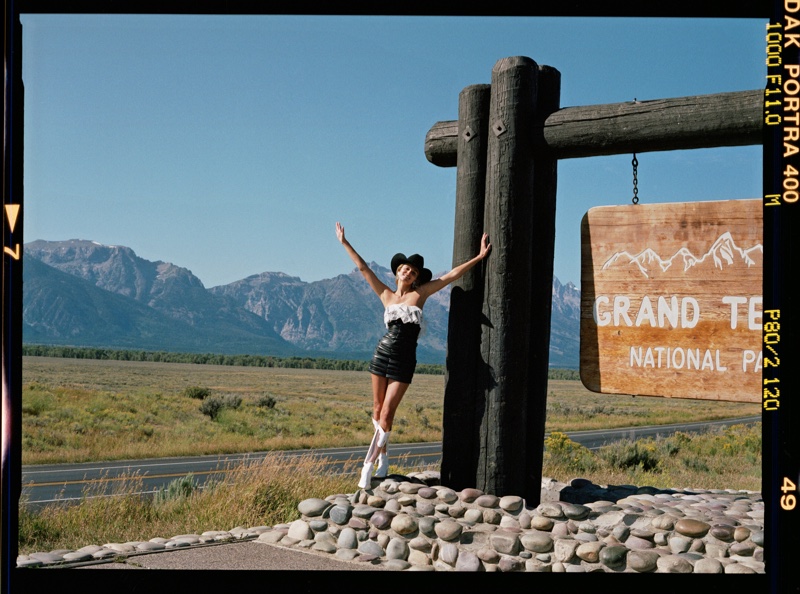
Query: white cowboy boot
{"type": "Point", "coordinates": [383, 466]}
{"type": "Point", "coordinates": [383, 437]}
{"type": "Point", "coordinates": [366, 476]}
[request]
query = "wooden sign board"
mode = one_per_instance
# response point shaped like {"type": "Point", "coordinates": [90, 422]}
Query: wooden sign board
{"type": "Point", "coordinates": [671, 300]}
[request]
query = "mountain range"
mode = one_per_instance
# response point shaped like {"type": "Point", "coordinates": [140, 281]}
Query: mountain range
{"type": "Point", "coordinates": [82, 293]}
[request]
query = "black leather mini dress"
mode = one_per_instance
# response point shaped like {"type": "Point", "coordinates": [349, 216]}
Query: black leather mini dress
{"type": "Point", "coordinates": [395, 356]}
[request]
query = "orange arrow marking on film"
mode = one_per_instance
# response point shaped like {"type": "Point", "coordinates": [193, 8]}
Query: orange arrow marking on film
{"type": "Point", "coordinates": [12, 212]}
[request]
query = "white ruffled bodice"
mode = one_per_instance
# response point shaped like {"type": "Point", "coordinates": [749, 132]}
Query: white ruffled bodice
{"type": "Point", "coordinates": [410, 314]}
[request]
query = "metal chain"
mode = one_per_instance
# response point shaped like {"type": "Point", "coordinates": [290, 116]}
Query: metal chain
{"type": "Point", "coordinates": [635, 164]}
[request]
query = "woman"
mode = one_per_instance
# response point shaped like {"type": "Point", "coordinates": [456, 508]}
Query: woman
{"type": "Point", "coordinates": [393, 363]}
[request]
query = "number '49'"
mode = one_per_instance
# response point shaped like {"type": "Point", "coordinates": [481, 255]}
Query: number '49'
{"type": "Point", "coordinates": [788, 500]}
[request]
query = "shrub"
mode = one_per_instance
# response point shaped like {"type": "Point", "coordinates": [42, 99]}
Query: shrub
{"type": "Point", "coordinates": [266, 401]}
{"type": "Point", "coordinates": [563, 452]}
{"type": "Point", "coordinates": [641, 454]}
{"type": "Point", "coordinates": [211, 406]}
{"type": "Point", "coordinates": [670, 447]}
{"type": "Point", "coordinates": [35, 404]}
{"type": "Point", "coordinates": [233, 401]}
{"type": "Point", "coordinates": [196, 392]}
{"type": "Point", "coordinates": [695, 465]}
{"type": "Point", "coordinates": [180, 488]}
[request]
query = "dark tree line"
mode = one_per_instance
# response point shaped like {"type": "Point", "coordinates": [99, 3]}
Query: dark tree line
{"type": "Point", "coordinates": [71, 352]}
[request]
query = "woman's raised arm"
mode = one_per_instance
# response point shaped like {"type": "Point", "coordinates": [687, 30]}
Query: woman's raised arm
{"type": "Point", "coordinates": [456, 273]}
{"type": "Point", "coordinates": [365, 270]}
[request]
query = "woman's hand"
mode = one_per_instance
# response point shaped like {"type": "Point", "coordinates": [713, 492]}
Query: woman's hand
{"type": "Point", "coordinates": [365, 270]}
{"type": "Point", "coordinates": [456, 273]}
{"type": "Point", "coordinates": [485, 246]}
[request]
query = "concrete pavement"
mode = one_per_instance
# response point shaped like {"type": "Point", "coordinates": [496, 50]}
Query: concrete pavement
{"type": "Point", "coordinates": [242, 555]}
{"type": "Point", "coordinates": [232, 565]}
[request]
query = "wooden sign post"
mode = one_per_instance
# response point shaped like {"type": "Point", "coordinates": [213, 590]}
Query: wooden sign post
{"type": "Point", "coordinates": [506, 144]}
{"type": "Point", "coordinates": [671, 300]}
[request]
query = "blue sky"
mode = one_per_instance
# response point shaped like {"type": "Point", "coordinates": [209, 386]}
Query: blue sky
{"type": "Point", "coordinates": [230, 145]}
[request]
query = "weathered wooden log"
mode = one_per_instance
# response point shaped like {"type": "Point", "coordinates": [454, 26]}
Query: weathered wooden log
{"type": "Point", "coordinates": [543, 231]}
{"type": "Point", "coordinates": [459, 425]}
{"type": "Point", "coordinates": [506, 304]}
{"type": "Point", "coordinates": [701, 121]}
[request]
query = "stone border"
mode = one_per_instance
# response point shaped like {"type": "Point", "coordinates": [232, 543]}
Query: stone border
{"type": "Point", "coordinates": [411, 523]}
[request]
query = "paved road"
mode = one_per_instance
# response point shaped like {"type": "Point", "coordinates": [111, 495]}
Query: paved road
{"type": "Point", "coordinates": [48, 483]}
{"type": "Point", "coordinates": [596, 439]}
{"type": "Point", "coordinates": [43, 484]}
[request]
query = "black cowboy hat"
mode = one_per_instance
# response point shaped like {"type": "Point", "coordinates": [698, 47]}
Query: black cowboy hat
{"type": "Point", "coordinates": [417, 262]}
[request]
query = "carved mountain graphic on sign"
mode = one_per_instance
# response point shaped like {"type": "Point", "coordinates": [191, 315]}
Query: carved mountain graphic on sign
{"type": "Point", "coordinates": [723, 253]}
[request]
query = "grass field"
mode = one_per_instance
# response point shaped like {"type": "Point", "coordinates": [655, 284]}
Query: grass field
{"type": "Point", "coordinates": [85, 410]}
{"type": "Point", "coordinates": [77, 410]}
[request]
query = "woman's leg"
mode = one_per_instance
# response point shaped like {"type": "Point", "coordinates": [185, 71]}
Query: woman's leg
{"type": "Point", "coordinates": [394, 394]}
{"type": "Point", "coordinates": [386, 397]}
{"type": "Point", "coordinates": [379, 385]}
{"type": "Point", "coordinates": [366, 471]}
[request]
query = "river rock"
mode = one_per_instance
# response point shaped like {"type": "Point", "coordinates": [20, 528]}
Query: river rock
{"type": "Point", "coordinates": [313, 507]}
{"type": "Point", "coordinates": [421, 525]}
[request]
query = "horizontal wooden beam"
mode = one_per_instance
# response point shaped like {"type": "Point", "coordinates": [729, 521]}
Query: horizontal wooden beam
{"type": "Point", "coordinates": [701, 121]}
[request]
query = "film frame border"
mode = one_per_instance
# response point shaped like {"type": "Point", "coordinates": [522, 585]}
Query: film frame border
{"type": "Point", "coordinates": [780, 459]}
